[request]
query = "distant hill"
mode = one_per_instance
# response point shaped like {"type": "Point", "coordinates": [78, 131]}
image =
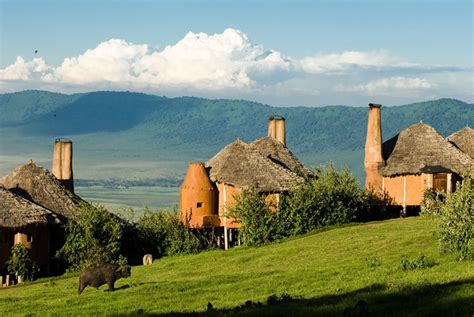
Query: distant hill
{"type": "Point", "coordinates": [112, 127]}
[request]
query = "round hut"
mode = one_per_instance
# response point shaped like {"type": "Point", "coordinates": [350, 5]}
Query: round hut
{"type": "Point", "coordinates": [22, 221]}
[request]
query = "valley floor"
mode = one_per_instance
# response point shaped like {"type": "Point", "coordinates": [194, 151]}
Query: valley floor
{"type": "Point", "coordinates": [350, 271]}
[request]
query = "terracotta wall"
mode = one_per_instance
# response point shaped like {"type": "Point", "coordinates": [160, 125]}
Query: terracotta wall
{"type": "Point", "coordinates": [415, 185]}
{"type": "Point", "coordinates": [226, 202]}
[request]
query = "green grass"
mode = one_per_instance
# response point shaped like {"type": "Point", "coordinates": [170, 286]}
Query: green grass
{"type": "Point", "coordinates": [325, 273]}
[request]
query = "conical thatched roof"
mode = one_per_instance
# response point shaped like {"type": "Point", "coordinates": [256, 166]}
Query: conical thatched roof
{"type": "Point", "coordinates": [278, 153]}
{"type": "Point", "coordinates": [16, 211]}
{"type": "Point", "coordinates": [240, 165]}
{"type": "Point", "coordinates": [418, 149]}
{"type": "Point", "coordinates": [37, 184]}
{"type": "Point", "coordinates": [464, 140]}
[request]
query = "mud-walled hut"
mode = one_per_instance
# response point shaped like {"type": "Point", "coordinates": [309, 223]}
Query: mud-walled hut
{"type": "Point", "coordinates": [34, 203]}
{"type": "Point", "coordinates": [22, 221]}
{"type": "Point", "coordinates": [265, 165]}
{"type": "Point", "coordinates": [414, 160]}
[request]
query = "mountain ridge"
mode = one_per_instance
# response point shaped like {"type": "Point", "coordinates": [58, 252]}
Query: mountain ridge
{"type": "Point", "coordinates": [120, 125]}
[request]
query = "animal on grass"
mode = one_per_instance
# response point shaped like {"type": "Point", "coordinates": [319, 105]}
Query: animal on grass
{"type": "Point", "coordinates": [105, 274]}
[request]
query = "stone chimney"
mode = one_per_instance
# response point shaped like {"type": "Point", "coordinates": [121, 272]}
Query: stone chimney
{"type": "Point", "coordinates": [373, 150]}
{"type": "Point", "coordinates": [62, 163]}
{"type": "Point", "coordinates": [276, 128]}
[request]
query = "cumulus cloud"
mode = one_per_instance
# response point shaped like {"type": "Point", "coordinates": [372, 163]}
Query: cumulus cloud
{"type": "Point", "coordinates": [199, 61]}
{"type": "Point", "coordinates": [23, 70]}
{"type": "Point", "coordinates": [221, 64]}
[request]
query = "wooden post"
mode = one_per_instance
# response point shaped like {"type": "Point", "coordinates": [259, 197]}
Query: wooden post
{"type": "Point", "coordinates": [449, 183]}
{"type": "Point", "coordinates": [226, 239]}
{"type": "Point", "coordinates": [404, 213]}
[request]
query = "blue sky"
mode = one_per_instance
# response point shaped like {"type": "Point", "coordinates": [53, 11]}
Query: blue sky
{"type": "Point", "coordinates": [278, 52]}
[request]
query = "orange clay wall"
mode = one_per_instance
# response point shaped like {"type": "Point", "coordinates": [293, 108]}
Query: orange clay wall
{"type": "Point", "coordinates": [198, 198]}
{"type": "Point", "coordinates": [227, 202]}
{"type": "Point", "coordinates": [415, 187]}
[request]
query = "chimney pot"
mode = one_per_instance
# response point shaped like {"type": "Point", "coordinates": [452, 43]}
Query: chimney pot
{"type": "Point", "coordinates": [277, 129]}
{"type": "Point", "coordinates": [62, 163]}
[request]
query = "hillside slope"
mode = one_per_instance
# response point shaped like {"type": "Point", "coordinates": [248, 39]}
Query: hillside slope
{"type": "Point", "coordinates": [325, 273]}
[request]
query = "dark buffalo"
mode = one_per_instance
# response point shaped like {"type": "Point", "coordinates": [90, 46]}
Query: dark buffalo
{"type": "Point", "coordinates": [105, 274]}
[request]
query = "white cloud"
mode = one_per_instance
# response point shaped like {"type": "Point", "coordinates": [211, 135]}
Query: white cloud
{"type": "Point", "coordinates": [338, 63]}
{"type": "Point", "coordinates": [225, 64]}
{"type": "Point", "coordinates": [391, 85]}
{"type": "Point", "coordinates": [198, 61]}
{"type": "Point", "coordinates": [22, 70]}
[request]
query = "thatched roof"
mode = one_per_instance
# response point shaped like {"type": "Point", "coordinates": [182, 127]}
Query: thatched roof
{"type": "Point", "coordinates": [15, 211]}
{"type": "Point", "coordinates": [37, 184]}
{"type": "Point", "coordinates": [279, 153]}
{"type": "Point", "coordinates": [464, 140]}
{"type": "Point", "coordinates": [420, 149]}
{"type": "Point", "coordinates": [240, 165]}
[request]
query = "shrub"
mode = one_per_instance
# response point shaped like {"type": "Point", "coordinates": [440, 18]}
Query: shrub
{"type": "Point", "coordinates": [330, 198]}
{"type": "Point", "coordinates": [421, 262]}
{"type": "Point", "coordinates": [258, 223]}
{"type": "Point", "coordinates": [92, 239]}
{"type": "Point", "coordinates": [163, 234]}
{"type": "Point", "coordinates": [431, 203]}
{"type": "Point", "coordinates": [20, 263]}
{"type": "Point", "coordinates": [457, 220]}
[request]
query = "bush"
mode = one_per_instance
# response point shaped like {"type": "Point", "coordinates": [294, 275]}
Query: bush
{"type": "Point", "coordinates": [20, 263]}
{"type": "Point", "coordinates": [258, 223]}
{"type": "Point", "coordinates": [92, 239]}
{"type": "Point", "coordinates": [163, 234]}
{"type": "Point", "coordinates": [421, 262]}
{"type": "Point", "coordinates": [431, 203]}
{"type": "Point", "coordinates": [457, 220]}
{"type": "Point", "coordinates": [330, 198]}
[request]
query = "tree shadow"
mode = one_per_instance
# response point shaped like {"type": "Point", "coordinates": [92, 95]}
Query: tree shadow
{"type": "Point", "coordinates": [448, 299]}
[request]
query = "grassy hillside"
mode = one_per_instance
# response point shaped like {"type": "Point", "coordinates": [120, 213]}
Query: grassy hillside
{"type": "Point", "coordinates": [325, 273]}
{"type": "Point", "coordinates": [118, 134]}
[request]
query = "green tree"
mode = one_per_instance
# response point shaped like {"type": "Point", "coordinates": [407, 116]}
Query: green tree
{"type": "Point", "coordinates": [93, 238]}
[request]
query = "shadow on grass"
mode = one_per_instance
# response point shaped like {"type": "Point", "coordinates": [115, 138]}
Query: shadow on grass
{"type": "Point", "coordinates": [449, 299]}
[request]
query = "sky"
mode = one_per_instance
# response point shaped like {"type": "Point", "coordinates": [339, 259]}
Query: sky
{"type": "Point", "coordinates": [283, 53]}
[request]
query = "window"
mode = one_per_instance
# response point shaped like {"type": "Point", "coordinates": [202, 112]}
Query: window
{"type": "Point", "coordinates": [199, 205]}
{"type": "Point", "coordinates": [440, 182]}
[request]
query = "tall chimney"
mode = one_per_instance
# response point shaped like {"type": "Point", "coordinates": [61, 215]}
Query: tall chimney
{"type": "Point", "coordinates": [276, 128]}
{"type": "Point", "coordinates": [62, 163]}
{"type": "Point", "coordinates": [373, 150]}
